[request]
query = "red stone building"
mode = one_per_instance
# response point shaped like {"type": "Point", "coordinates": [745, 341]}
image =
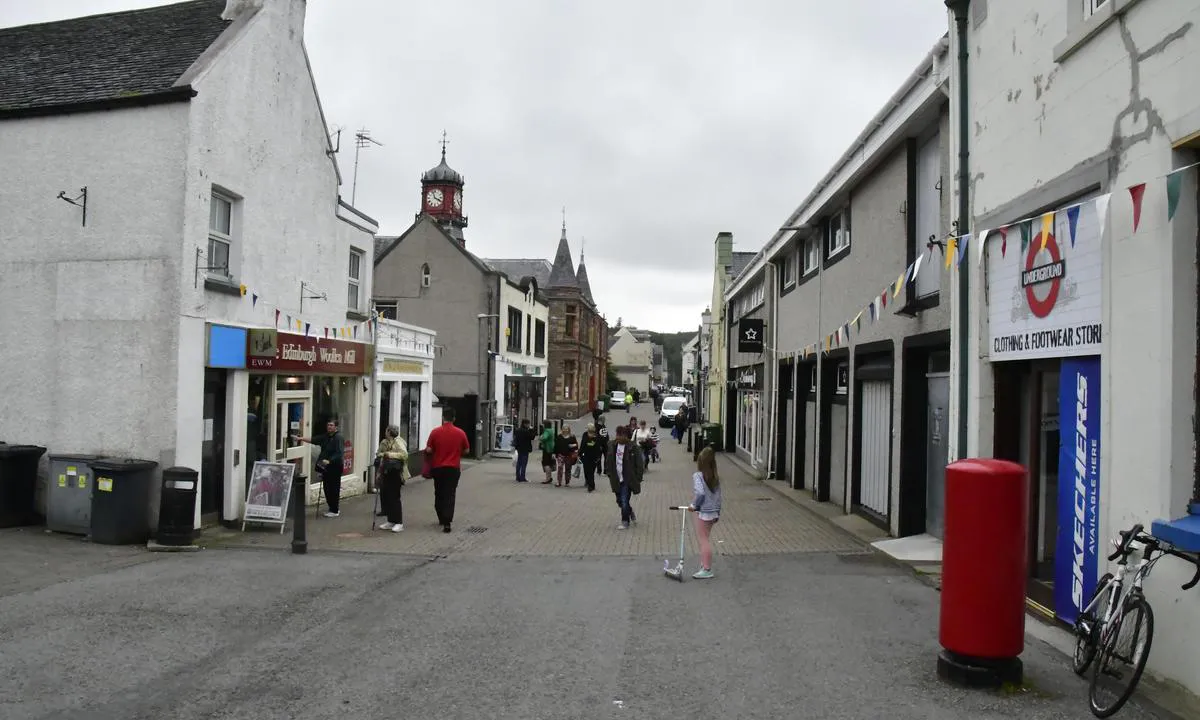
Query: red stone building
{"type": "Point", "coordinates": [578, 339]}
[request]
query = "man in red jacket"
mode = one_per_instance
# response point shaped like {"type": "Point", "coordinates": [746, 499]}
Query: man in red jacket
{"type": "Point", "coordinates": [445, 448]}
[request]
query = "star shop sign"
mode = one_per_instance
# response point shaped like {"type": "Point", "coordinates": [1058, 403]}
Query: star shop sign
{"type": "Point", "coordinates": [750, 335]}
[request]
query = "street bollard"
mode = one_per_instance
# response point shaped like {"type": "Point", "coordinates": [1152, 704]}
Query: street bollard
{"type": "Point", "coordinates": [299, 531]}
{"type": "Point", "coordinates": [689, 434]}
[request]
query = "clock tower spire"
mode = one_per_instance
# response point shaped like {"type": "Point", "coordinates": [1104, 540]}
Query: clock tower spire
{"type": "Point", "coordinates": [442, 196]}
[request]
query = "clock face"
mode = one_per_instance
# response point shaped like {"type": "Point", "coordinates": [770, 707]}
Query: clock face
{"type": "Point", "coordinates": [458, 201]}
{"type": "Point", "coordinates": [434, 198]}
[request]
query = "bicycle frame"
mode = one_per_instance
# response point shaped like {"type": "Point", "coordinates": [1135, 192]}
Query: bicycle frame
{"type": "Point", "coordinates": [1140, 572]}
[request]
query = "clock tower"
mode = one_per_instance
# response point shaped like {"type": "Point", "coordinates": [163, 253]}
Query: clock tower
{"type": "Point", "coordinates": [442, 197]}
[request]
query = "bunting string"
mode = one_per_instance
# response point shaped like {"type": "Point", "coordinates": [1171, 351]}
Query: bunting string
{"type": "Point", "coordinates": [955, 247]}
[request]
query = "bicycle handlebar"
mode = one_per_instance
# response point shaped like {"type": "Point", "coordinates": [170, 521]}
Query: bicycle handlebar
{"type": "Point", "coordinates": [1135, 534]}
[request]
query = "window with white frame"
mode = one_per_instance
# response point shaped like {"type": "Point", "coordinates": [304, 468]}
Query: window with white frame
{"type": "Point", "coordinates": [354, 289]}
{"type": "Point", "coordinates": [220, 234]}
{"type": "Point", "coordinates": [1090, 7]}
{"type": "Point", "coordinates": [386, 310]}
{"type": "Point", "coordinates": [789, 268]}
{"type": "Point", "coordinates": [838, 241]}
{"type": "Point", "coordinates": [812, 254]}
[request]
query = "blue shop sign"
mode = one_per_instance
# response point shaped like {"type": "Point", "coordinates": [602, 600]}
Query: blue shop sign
{"type": "Point", "coordinates": [1078, 547]}
{"type": "Point", "coordinates": [226, 347]}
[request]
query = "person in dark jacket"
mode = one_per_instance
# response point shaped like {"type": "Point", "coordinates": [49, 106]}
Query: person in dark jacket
{"type": "Point", "coordinates": [591, 451]}
{"type": "Point", "coordinates": [624, 465]}
{"type": "Point", "coordinates": [681, 423]}
{"type": "Point", "coordinates": [523, 444]}
{"type": "Point", "coordinates": [329, 464]}
{"type": "Point", "coordinates": [566, 449]}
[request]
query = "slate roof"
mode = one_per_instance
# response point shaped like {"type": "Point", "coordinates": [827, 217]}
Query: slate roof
{"type": "Point", "coordinates": [518, 268]}
{"type": "Point", "coordinates": [741, 261]}
{"type": "Point", "coordinates": [584, 284]}
{"type": "Point", "coordinates": [563, 274]}
{"type": "Point", "coordinates": [123, 56]}
{"type": "Point", "coordinates": [383, 244]}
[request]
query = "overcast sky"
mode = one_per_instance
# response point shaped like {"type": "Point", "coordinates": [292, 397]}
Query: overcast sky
{"type": "Point", "coordinates": [657, 124]}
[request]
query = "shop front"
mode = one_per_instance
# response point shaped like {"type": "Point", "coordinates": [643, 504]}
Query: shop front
{"type": "Point", "coordinates": [1044, 330]}
{"type": "Point", "coordinates": [263, 390]}
{"type": "Point", "coordinates": [749, 432]}
{"type": "Point", "coordinates": [521, 395]}
{"type": "Point", "coordinates": [404, 372]}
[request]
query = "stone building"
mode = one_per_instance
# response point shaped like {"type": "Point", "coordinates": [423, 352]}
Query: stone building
{"type": "Point", "coordinates": [578, 338]}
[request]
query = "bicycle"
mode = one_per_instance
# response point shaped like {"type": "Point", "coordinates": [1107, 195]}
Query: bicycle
{"type": "Point", "coordinates": [1099, 627]}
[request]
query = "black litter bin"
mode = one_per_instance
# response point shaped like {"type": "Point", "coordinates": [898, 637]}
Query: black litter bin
{"type": "Point", "coordinates": [18, 484]}
{"type": "Point", "coordinates": [177, 506]}
{"type": "Point", "coordinates": [121, 501]}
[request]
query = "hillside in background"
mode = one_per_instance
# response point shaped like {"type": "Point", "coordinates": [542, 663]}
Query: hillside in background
{"type": "Point", "coordinates": [673, 350]}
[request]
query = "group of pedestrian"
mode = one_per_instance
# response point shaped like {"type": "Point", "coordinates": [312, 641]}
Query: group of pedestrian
{"type": "Point", "coordinates": [623, 461]}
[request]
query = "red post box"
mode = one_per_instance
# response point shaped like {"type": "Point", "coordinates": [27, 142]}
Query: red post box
{"type": "Point", "coordinates": [984, 559]}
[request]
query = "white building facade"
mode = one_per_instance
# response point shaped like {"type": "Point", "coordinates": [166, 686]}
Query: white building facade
{"type": "Point", "coordinates": [194, 314]}
{"type": "Point", "coordinates": [404, 360]}
{"type": "Point", "coordinates": [1082, 316]}
{"type": "Point", "coordinates": [520, 369]}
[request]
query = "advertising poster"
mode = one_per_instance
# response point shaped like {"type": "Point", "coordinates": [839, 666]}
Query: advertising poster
{"type": "Point", "coordinates": [1044, 289]}
{"type": "Point", "coordinates": [270, 489]}
{"type": "Point", "coordinates": [1076, 556]}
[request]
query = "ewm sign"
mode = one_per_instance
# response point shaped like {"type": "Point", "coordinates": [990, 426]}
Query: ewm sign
{"type": "Point", "coordinates": [1077, 551]}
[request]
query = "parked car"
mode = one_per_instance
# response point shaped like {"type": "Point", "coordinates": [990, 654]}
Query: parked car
{"type": "Point", "coordinates": [617, 399]}
{"type": "Point", "coordinates": [670, 408]}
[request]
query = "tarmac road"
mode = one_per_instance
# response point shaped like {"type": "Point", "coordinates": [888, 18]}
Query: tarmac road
{"type": "Point", "coordinates": [535, 630]}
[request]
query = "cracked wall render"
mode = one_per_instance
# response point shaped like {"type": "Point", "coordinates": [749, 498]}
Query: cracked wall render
{"type": "Point", "coordinates": [1117, 97]}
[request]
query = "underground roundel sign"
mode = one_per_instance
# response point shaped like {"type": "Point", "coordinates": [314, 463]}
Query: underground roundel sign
{"type": "Point", "coordinates": [1043, 275]}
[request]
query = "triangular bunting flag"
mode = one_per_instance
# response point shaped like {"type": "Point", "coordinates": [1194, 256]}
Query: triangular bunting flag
{"type": "Point", "coordinates": [871, 310]}
{"type": "Point", "coordinates": [1026, 233]}
{"type": "Point", "coordinates": [963, 243]}
{"type": "Point", "coordinates": [1003, 240]}
{"type": "Point", "coordinates": [1174, 186]}
{"type": "Point", "coordinates": [277, 317]}
{"type": "Point", "coordinates": [1102, 211]}
{"type": "Point", "coordinates": [1072, 222]}
{"type": "Point", "coordinates": [981, 245]}
{"type": "Point", "coordinates": [1047, 228]}
{"type": "Point", "coordinates": [857, 321]}
{"type": "Point", "coordinates": [883, 298]}
{"type": "Point", "coordinates": [306, 327]}
{"type": "Point", "coordinates": [242, 289]}
{"type": "Point", "coordinates": [289, 319]}
{"type": "Point", "coordinates": [899, 286]}
{"type": "Point", "coordinates": [951, 247]}
{"type": "Point", "coordinates": [253, 300]}
{"type": "Point", "coordinates": [326, 333]}
{"type": "Point", "coordinates": [356, 331]}
{"type": "Point", "coordinates": [917, 267]}
{"type": "Point", "coordinates": [1137, 192]}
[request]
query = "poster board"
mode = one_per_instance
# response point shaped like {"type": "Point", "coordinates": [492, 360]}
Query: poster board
{"type": "Point", "coordinates": [268, 495]}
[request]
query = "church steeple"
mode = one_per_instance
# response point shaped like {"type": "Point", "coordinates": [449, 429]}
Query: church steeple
{"type": "Point", "coordinates": [563, 273]}
{"type": "Point", "coordinates": [442, 196]}
{"type": "Point", "coordinates": [581, 277]}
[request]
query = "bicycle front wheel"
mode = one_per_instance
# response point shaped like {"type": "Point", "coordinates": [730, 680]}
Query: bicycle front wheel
{"type": "Point", "coordinates": [1122, 658]}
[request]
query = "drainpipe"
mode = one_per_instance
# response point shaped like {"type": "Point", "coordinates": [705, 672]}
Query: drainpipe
{"type": "Point", "coordinates": [773, 353]}
{"type": "Point", "coordinates": [375, 430]}
{"type": "Point", "coordinates": [959, 8]}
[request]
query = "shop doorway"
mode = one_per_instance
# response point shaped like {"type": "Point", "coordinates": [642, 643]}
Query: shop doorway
{"type": "Point", "coordinates": [783, 422]}
{"type": "Point", "coordinates": [1027, 432]}
{"type": "Point", "coordinates": [936, 450]}
{"type": "Point", "coordinates": [212, 448]}
{"type": "Point", "coordinates": [385, 407]}
{"type": "Point", "coordinates": [293, 419]}
{"type": "Point", "coordinates": [806, 397]}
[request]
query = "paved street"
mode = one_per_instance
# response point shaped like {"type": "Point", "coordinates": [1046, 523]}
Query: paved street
{"type": "Point", "coordinates": [551, 612]}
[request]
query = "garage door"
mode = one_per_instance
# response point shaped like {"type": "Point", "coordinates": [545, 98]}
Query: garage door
{"type": "Point", "coordinates": [875, 428]}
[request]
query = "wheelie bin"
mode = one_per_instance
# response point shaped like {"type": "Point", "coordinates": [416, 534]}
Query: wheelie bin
{"type": "Point", "coordinates": [121, 501]}
{"type": "Point", "coordinates": [18, 484]}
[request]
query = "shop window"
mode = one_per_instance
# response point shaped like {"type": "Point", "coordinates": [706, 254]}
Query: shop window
{"type": "Point", "coordinates": [410, 415]}
{"type": "Point", "coordinates": [354, 286]}
{"type": "Point", "coordinates": [220, 233]}
{"type": "Point", "coordinates": [572, 319]}
{"type": "Point", "coordinates": [334, 397]}
{"type": "Point", "coordinates": [539, 340]}
{"type": "Point", "coordinates": [513, 330]}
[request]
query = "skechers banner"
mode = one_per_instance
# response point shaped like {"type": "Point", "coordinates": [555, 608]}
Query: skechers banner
{"type": "Point", "coordinates": [1076, 557]}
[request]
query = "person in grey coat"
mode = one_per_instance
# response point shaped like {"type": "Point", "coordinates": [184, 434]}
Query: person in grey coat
{"type": "Point", "coordinates": [624, 464]}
